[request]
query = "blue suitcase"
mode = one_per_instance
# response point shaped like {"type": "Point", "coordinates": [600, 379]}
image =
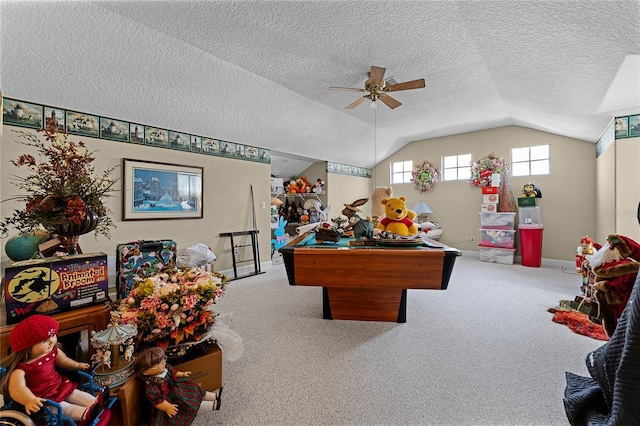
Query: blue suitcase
{"type": "Point", "coordinates": [141, 259]}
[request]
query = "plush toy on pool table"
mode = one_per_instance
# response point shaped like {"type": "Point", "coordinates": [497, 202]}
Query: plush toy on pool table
{"type": "Point", "coordinates": [398, 219]}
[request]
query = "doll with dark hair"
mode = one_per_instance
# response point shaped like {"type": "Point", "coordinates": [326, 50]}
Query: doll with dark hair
{"type": "Point", "coordinates": [32, 375]}
{"type": "Point", "coordinates": [175, 397]}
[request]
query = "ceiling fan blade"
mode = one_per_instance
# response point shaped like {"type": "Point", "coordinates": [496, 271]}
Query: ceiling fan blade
{"type": "Point", "coordinates": [347, 89]}
{"type": "Point", "coordinates": [413, 84]}
{"type": "Point", "coordinates": [377, 74]}
{"type": "Point", "coordinates": [390, 102]}
{"type": "Point", "coordinates": [356, 103]}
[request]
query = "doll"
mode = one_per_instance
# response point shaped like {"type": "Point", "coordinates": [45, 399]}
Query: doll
{"type": "Point", "coordinates": [32, 377]}
{"type": "Point", "coordinates": [176, 399]}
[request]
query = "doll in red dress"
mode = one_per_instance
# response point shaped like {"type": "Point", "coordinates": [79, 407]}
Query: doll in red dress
{"type": "Point", "coordinates": [32, 376]}
{"type": "Point", "coordinates": [176, 399]}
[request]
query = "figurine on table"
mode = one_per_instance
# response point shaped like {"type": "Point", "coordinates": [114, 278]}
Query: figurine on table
{"type": "Point", "coordinates": [176, 399]}
{"type": "Point", "coordinates": [362, 228]}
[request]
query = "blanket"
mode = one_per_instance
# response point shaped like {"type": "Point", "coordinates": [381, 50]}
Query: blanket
{"type": "Point", "coordinates": [610, 396]}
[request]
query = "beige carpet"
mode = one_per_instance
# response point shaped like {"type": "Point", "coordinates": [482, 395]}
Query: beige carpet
{"type": "Point", "coordinates": [483, 352]}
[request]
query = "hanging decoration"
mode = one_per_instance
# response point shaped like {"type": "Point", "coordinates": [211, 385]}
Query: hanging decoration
{"type": "Point", "coordinates": [425, 176]}
{"type": "Point", "coordinates": [482, 169]}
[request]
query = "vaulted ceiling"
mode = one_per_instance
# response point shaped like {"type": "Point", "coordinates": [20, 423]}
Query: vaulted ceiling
{"type": "Point", "coordinates": [258, 72]}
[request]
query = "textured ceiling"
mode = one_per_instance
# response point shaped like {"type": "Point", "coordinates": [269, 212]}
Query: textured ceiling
{"type": "Point", "coordinates": [257, 72]}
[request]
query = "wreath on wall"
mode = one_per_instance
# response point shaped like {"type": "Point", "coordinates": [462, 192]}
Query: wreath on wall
{"type": "Point", "coordinates": [482, 169]}
{"type": "Point", "coordinates": [425, 176]}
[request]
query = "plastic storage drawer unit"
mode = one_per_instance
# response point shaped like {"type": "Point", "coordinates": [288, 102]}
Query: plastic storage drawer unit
{"type": "Point", "coordinates": [489, 220]}
{"type": "Point", "coordinates": [497, 255]}
{"type": "Point", "coordinates": [502, 238]}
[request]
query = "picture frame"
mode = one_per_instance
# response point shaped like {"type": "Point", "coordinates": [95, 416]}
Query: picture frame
{"type": "Point", "coordinates": [622, 127]}
{"type": "Point", "coordinates": [115, 130]}
{"type": "Point", "coordinates": [180, 141]}
{"type": "Point", "coordinates": [154, 136]}
{"type": "Point", "coordinates": [196, 143]}
{"type": "Point", "coordinates": [210, 146]}
{"type": "Point", "coordinates": [79, 123]}
{"type": "Point", "coordinates": [21, 113]}
{"type": "Point", "coordinates": [264, 155]}
{"type": "Point", "coordinates": [58, 113]}
{"type": "Point", "coordinates": [136, 133]}
{"type": "Point", "coordinates": [155, 190]}
{"type": "Point", "coordinates": [251, 153]}
{"type": "Point", "coordinates": [634, 126]}
{"type": "Point", "coordinates": [227, 149]}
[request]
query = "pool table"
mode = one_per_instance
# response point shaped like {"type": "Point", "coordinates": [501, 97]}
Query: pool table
{"type": "Point", "coordinates": [367, 283]}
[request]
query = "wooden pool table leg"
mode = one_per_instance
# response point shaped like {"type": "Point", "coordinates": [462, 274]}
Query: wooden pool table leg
{"type": "Point", "coordinates": [364, 304]}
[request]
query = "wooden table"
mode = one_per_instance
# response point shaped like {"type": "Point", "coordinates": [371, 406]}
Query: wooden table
{"type": "Point", "coordinates": [91, 318]}
{"type": "Point", "coordinates": [367, 283]}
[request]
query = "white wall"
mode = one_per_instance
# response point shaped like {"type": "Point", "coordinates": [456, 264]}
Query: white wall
{"type": "Point", "coordinates": [226, 199]}
{"type": "Point", "coordinates": [567, 205]}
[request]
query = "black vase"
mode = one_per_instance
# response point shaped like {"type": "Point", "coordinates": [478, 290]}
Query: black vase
{"type": "Point", "coordinates": [68, 233]}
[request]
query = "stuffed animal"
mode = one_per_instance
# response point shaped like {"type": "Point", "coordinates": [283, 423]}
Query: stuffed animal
{"type": "Point", "coordinates": [304, 186]}
{"type": "Point", "coordinates": [377, 207]}
{"type": "Point", "coordinates": [398, 219]}
{"type": "Point", "coordinates": [530, 190]}
{"type": "Point", "coordinates": [313, 207]}
{"type": "Point", "coordinates": [318, 187]}
{"type": "Point", "coordinates": [279, 232]}
{"type": "Point", "coordinates": [292, 188]}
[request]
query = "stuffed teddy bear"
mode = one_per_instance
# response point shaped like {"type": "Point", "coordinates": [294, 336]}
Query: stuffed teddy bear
{"type": "Point", "coordinates": [398, 219]}
{"type": "Point", "coordinates": [377, 207]}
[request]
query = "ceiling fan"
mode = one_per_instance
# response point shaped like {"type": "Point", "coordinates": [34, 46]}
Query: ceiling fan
{"type": "Point", "coordinates": [377, 88]}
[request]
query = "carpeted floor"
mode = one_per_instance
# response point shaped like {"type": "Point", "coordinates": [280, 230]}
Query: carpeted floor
{"type": "Point", "coordinates": [579, 323]}
{"type": "Point", "coordinates": [482, 353]}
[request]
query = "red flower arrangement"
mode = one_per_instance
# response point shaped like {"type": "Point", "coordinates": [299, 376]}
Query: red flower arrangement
{"type": "Point", "coordinates": [62, 189]}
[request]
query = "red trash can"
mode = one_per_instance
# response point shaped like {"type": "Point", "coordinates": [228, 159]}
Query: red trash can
{"type": "Point", "coordinates": [531, 244]}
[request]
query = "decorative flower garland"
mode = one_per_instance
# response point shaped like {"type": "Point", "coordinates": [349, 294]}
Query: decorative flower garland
{"type": "Point", "coordinates": [482, 169]}
{"type": "Point", "coordinates": [425, 176]}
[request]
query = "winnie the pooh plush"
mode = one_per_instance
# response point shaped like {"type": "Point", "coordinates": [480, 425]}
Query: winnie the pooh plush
{"type": "Point", "coordinates": [398, 219]}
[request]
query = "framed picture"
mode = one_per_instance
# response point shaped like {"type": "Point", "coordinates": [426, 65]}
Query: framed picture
{"type": "Point", "coordinates": [21, 113]}
{"type": "Point", "coordinates": [154, 190]}
{"type": "Point", "coordinates": [79, 123]}
{"type": "Point", "coordinates": [114, 129]}
{"type": "Point", "coordinates": [179, 141]}
{"type": "Point", "coordinates": [622, 127]}
{"type": "Point", "coordinates": [56, 114]}
{"type": "Point", "coordinates": [210, 146]}
{"type": "Point", "coordinates": [264, 155]}
{"type": "Point", "coordinates": [251, 153]}
{"type": "Point", "coordinates": [634, 126]}
{"type": "Point", "coordinates": [228, 149]}
{"type": "Point", "coordinates": [136, 133]}
{"type": "Point", "coordinates": [156, 137]}
{"type": "Point", "coordinates": [196, 143]}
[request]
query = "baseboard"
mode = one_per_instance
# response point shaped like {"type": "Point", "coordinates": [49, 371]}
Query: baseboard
{"type": "Point", "coordinates": [565, 264]}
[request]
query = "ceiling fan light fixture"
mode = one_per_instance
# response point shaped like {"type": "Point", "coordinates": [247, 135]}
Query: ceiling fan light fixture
{"type": "Point", "coordinates": [377, 86]}
{"type": "Point", "coordinates": [373, 104]}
